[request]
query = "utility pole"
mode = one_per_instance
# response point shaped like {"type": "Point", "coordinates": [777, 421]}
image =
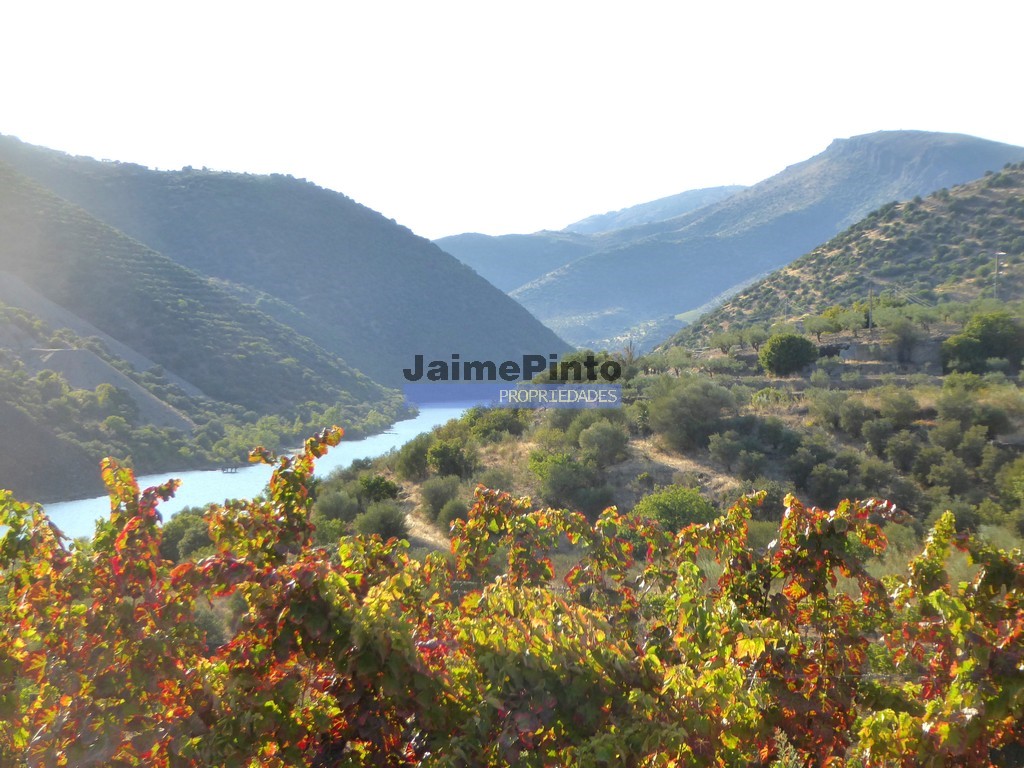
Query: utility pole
{"type": "Point", "coordinates": [995, 286]}
{"type": "Point", "coordinates": [871, 312]}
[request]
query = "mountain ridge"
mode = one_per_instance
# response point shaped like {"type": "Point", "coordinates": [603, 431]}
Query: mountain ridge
{"type": "Point", "coordinates": [360, 286]}
{"type": "Point", "coordinates": [650, 273]}
{"type": "Point", "coordinates": [942, 246]}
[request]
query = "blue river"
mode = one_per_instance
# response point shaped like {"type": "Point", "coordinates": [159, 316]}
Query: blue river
{"type": "Point", "coordinates": [78, 518]}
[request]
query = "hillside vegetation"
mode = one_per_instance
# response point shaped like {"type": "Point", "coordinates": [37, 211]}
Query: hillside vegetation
{"type": "Point", "coordinates": [636, 280]}
{"type": "Point", "coordinates": [545, 637]}
{"type": "Point", "coordinates": [936, 249]}
{"type": "Point", "coordinates": [237, 364]}
{"type": "Point", "coordinates": [362, 288]}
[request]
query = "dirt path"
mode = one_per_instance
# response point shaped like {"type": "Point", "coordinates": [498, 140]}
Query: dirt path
{"type": "Point", "coordinates": [424, 534]}
{"type": "Point", "coordinates": [664, 468]}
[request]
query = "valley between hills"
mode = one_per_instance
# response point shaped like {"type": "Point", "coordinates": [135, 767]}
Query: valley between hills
{"type": "Point", "coordinates": [798, 540]}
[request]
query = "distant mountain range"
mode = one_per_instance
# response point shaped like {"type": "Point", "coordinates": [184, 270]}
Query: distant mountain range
{"type": "Point", "coordinates": [942, 247]}
{"type": "Point", "coordinates": [511, 261]}
{"type": "Point", "coordinates": [603, 289]}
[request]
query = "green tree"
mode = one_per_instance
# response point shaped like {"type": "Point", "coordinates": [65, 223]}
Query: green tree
{"type": "Point", "coordinates": [449, 457]}
{"type": "Point", "coordinates": [786, 354]}
{"type": "Point", "coordinates": [377, 488]}
{"type": "Point", "coordinates": [755, 336]}
{"type": "Point", "coordinates": [675, 507]}
{"type": "Point", "coordinates": [725, 341]}
{"type": "Point", "coordinates": [411, 461]}
{"type": "Point", "coordinates": [986, 335]}
{"type": "Point", "coordinates": [689, 412]}
{"type": "Point", "coordinates": [819, 324]}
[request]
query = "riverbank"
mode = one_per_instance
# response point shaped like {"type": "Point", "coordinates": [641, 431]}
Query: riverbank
{"type": "Point", "coordinates": [200, 487]}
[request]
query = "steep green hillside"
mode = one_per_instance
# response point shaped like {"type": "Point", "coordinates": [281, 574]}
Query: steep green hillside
{"type": "Point", "coordinates": [108, 348]}
{"type": "Point", "coordinates": [656, 271]}
{"type": "Point", "coordinates": [230, 351]}
{"type": "Point", "coordinates": [938, 248]}
{"type": "Point", "coordinates": [360, 286]}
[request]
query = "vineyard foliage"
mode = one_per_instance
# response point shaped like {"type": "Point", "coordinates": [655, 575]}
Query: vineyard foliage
{"type": "Point", "coordinates": [358, 654]}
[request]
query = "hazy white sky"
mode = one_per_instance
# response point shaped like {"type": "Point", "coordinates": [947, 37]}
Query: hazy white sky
{"type": "Point", "coordinates": [502, 116]}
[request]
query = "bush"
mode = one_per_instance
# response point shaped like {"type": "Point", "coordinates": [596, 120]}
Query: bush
{"type": "Point", "coordinates": [335, 505]}
{"type": "Point", "coordinates": [385, 518]}
{"type": "Point", "coordinates": [604, 442]}
{"type": "Point", "coordinates": [377, 488]}
{"type": "Point", "coordinates": [492, 423]}
{"type": "Point", "coordinates": [989, 335]}
{"type": "Point", "coordinates": [690, 412]}
{"type": "Point", "coordinates": [448, 457]}
{"type": "Point", "coordinates": [496, 478]}
{"type": "Point", "coordinates": [676, 507]}
{"type": "Point", "coordinates": [900, 407]}
{"type": "Point", "coordinates": [876, 433]}
{"type": "Point", "coordinates": [786, 354]}
{"type": "Point", "coordinates": [455, 509]}
{"type": "Point", "coordinates": [749, 464]}
{"type": "Point", "coordinates": [438, 491]}
{"type": "Point", "coordinates": [174, 531]}
{"type": "Point", "coordinates": [195, 539]}
{"type": "Point", "coordinates": [853, 414]}
{"type": "Point", "coordinates": [411, 459]}
{"type": "Point", "coordinates": [568, 482]}
{"type": "Point", "coordinates": [725, 448]}
{"type": "Point", "coordinates": [826, 484]}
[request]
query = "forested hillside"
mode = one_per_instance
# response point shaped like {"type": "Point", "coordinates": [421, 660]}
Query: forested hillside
{"type": "Point", "coordinates": [236, 364]}
{"type": "Point", "coordinates": [361, 287]}
{"type": "Point", "coordinates": [938, 248]}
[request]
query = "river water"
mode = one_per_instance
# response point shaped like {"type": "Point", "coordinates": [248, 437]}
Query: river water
{"type": "Point", "coordinates": [78, 518]}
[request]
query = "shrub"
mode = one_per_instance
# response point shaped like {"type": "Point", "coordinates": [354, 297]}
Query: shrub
{"type": "Point", "coordinates": [438, 491]}
{"type": "Point", "coordinates": [495, 478]}
{"type": "Point", "coordinates": [411, 459]}
{"type": "Point", "coordinates": [385, 518]}
{"type": "Point", "coordinates": [568, 482]}
{"type": "Point", "coordinates": [989, 335]}
{"type": "Point", "coordinates": [377, 488]}
{"type": "Point", "coordinates": [749, 464]}
{"type": "Point", "coordinates": [335, 505]}
{"type": "Point", "coordinates": [194, 539]}
{"type": "Point", "coordinates": [604, 442]}
{"type": "Point", "coordinates": [900, 407]}
{"type": "Point", "coordinates": [901, 449]}
{"type": "Point", "coordinates": [454, 509]}
{"type": "Point", "coordinates": [676, 507]}
{"type": "Point", "coordinates": [448, 457]}
{"type": "Point", "coordinates": [787, 353]}
{"type": "Point", "coordinates": [492, 423]}
{"type": "Point", "coordinates": [853, 414]}
{"type": "Point", "coordinates": [876, 433]}
{"type": "Point", "coordinates": [826, 484]}
{"type": "Point", "coordinates": [725, 447]}
{"type": "Point", "coordinates": [690, 412]}
{"type": "Point", "coordinates": [174, 531]}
